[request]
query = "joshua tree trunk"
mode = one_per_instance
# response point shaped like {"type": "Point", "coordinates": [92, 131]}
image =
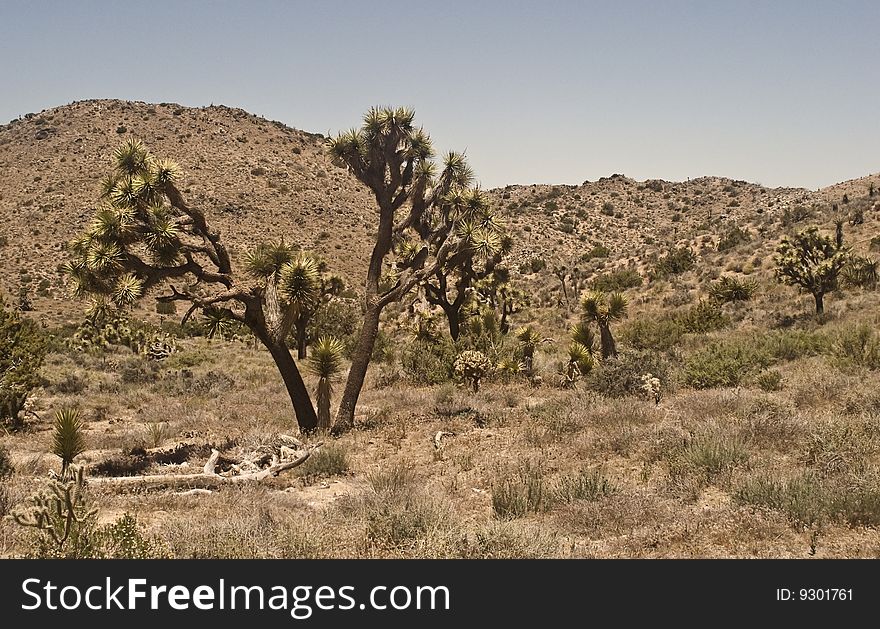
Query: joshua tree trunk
{"type": "Point", "coordinates": [820, 306]}
{"type": "Point", "coordinates": [296, 388]}
{"type": "Point", "coordinates": [453, 315]}
{"type": "Point", "coordinates": [301, 338]}
{"type": "Point", "coordinates": [323, 401]}
{"type": "Point", "coordinates": [609, 348]}
{"type": "Point", "coordinates": [360, 360]}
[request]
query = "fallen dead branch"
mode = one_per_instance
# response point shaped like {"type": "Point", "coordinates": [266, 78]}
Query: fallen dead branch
{"type": "Point", "coordinates": [208, 478]}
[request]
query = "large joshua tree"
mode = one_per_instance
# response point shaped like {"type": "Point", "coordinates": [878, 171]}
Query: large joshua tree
{"type": "Point", "coordinates": [145, 235]}
{"type": "Point", "coordinates": [602, 310]}
{"type": "Point", "coordinates": [812, 262]}
{"type": "Point", "coordinates": [429, 218]}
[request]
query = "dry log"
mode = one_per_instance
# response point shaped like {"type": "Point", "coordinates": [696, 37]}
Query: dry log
{"type": "Point", "coordinates": [207, 479]}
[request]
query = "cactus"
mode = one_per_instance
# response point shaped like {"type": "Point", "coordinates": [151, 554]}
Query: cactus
{"type": "Point", "coordinates": [472, 366]}
{"type": "Point", "coordinates": [61, 515]}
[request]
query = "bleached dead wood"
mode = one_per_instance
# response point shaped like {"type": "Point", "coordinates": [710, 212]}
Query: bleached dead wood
{"type": "Point", "coordinates": [208, 478]}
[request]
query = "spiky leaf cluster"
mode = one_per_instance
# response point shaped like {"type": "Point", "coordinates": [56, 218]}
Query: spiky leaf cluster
{"type": "Point", "coordinates": [135, 228]}
{"type": "Point", "coordinates": [325, 360]}
{"type": "Point", "coordinates": [603, 309]}
{"type": "Point", "coordinates": [729, 289]}
{"type": "Point", "coordinates": [68, 439]}
{"type": "Point", "coordinates": [811, 261]}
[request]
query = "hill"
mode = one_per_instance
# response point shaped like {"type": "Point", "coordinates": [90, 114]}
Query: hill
{"type": "Point", "coordinates": [259, 179]}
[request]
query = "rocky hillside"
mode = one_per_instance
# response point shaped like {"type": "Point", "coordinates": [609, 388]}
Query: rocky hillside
{"type": "Point", "coordinates": [257, 179]}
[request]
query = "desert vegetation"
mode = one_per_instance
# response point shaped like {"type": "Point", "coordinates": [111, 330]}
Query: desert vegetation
{"type": "Point", "coordinates": [667, 380]}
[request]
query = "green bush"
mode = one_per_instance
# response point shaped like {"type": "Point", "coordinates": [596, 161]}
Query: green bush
{"type": "Point", "coordinates": [705, 316]}
{"type": "Point", "coordinates": [723, 365]}
{"type": "Point", "coordinates": [675, 262]}
{"type": "Point", "coordinates": [769, 380]}
{"type": "Point", "coordinates": [733, 237]}
{"type": "Point", "coordinates": [859, 345]}
{"type": "Point", "coordinates": [22, 349]}
{"type": "Point", "coordinates": [329, 460]}
{"type": "Point", "coordinates": [427, 363]}
{"type": "Point", "coordinates": [338, 318]}
{"type": "Point", "coordinates": [616, 281]}
{"type": "Point", "coordinates": [660, 335]}
{"type": "Point", "coordinates": [622, 376]}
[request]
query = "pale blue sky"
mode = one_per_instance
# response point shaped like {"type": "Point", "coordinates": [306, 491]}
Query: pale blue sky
{"type": "Point", "coordinates": [781, 93]}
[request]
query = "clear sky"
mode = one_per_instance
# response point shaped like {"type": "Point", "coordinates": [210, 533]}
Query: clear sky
{"type": "Point", "coordinates": [783, 93]}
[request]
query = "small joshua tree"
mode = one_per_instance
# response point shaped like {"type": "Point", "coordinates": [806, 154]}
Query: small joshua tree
{"type": "Point", "coordinates": [527, 338]}
{"type": "Point", "coordinates": [472, 366]}
{"type": "Point", "coordinates": [812, 262]}
{"type": "Point", "coordinates": [325, 362]}
{"type": "Point", "coordinates": [602, 310]}
{"type": "Point", "coordinates": [68, 441]}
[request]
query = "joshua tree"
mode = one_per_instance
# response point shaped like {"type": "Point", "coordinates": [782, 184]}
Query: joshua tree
{"type": "Point", "coordinates": [145, 235]}
{"type": "Point", "coordinates": [325, 362]}
{"type": "Point", "coordinates": [451, 285]}
{"type": "Point", "coordinates": [428, 222]}
{"type": "Point", "coordinates": [812, 262]}
{"type": "Point", "coordinates": [603, 310]}
{"type": "Point", "coordinates": [501, 295]}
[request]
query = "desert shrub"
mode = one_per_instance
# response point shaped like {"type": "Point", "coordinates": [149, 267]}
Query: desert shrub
{"type": "Point", "coordinates": [616, 281]}
{"type": "Point", "coordinates": [6, 467]}
{"type": "Point", "coordinates": [793, 344]}
{"type": "Point", "coordinates": [733, 237]}
{"type": "Point", "coordinates": [705, 316]}
{"type": "Point", "coordinates": [585, 484]}
{"type": "Point", "coordinates": [725, 364]}
{"type": "Point", "coordinates": [608, 208]}
{"type": "Point", "coordinates": [660, 335]}
{"type": "Point", "coordinates": [706, 457]}
{"type": "Point", "coordinates": [428, 363]}
{"type": "Point", "coordinates": [329, 460]}
{"type": "Point", "coordinates": [123, 539]}
{"type": "Point", "coordinates": [622, 376]}
{"type": "Point", "coordinates": [770, 380]}
{"type": "Point", "coordinates": [798, 213]}
{"type": "Point", "coordinates": [860, 272]}
{"type": "Point", "coordinates": [599, 251]}
{"type": "Point", "coordinates": [22, 349]}
{"type": "Point", "coordinates": [675, 262]}
{"type": "Point", "coordinates": [338, 318]}
{"type": "Point", "coordinates": [398, 513]}
{"type": "Point", "coordinates": [802, 499]}
{"type": "Point", "coordinates": [859, 345]}
{"type": "Point", "coordinates": [524, 491]}
{"type": "Point", "coordinates": [729, 289]}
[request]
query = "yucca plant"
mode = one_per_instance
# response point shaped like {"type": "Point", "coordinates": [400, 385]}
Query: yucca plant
{"type": "Point", "coordinates": [68, 440]}
{"type": "Point", "coordinates": [527, 339]}
{"type": "Point", "coordinates": [326, 363]}
{"type": "Point", "coordinates": [602, 310]}
{"type": "Point", "coordinates": [729, 289]}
